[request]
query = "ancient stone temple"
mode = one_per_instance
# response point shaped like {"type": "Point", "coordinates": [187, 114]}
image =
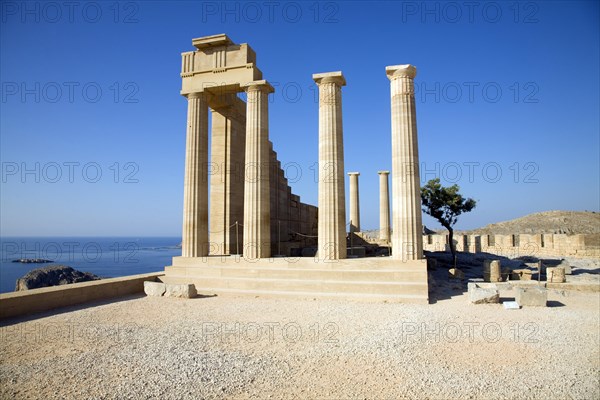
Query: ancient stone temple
{"type": "Point", "coordinates": [249, 237]}
{"type": "Point", "coordinates": [252, 209]}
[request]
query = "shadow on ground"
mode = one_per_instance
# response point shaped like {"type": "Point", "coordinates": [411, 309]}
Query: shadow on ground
{"type": "Point", "coordinates": [443, 287]}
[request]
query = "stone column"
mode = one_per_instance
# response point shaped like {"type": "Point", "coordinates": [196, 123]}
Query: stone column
{"type": "Point", "coordinates": [407, 237]}
{"type": "Point", "coordinates": [195, 188]}
{"type": "Point", "coordinates": [257, 218]}
{"type": "Point", "coordinates": [332, 201]}
{"type": "Point", "coordinates": [226, 174]}
{"type": "Point", "coordinates": [354, 202]}
{"type": "Point", "coordinates": [384, 206]}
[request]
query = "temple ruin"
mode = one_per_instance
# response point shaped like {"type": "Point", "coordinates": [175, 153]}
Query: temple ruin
{"type": "Point", "coordinates": [248, 240]}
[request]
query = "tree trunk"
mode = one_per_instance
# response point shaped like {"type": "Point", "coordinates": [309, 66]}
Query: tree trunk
{"type": "Point", "coordinates": [452, 247]}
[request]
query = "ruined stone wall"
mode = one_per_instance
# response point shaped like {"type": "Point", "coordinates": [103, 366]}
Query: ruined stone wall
{"type": "Point", "coordinates": [517, 245]}
{"type": "Point", "coordinates": [293, 223]}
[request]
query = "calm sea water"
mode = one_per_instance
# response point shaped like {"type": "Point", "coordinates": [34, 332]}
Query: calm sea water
{"type": "Point", "coordinates": [103, 256]}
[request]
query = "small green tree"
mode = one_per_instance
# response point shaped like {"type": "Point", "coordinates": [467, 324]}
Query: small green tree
{"type": "Point", "coordinates": [445, 204]}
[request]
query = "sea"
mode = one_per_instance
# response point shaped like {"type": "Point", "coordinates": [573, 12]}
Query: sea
{"type": "Point", "coordinates": [107, 257]}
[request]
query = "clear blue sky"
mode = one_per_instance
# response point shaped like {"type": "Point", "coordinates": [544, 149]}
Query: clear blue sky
{"type": "Point", "coordinates": [502, 88]}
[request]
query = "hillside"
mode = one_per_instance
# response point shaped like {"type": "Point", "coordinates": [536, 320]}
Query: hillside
{"type": "Point", "coordinates": [569, 222]}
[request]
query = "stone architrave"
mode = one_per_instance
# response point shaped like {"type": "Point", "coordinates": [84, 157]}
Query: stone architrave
{"type": "Point", "coordinates": [407, 236]}
{"type": "Point", "coordinates": [354, 202]}
{"type": "Point", "coordinates": [331, 202]}
{"type": "Point", "coordinates": [195, 189]}
{"type": "Point", "coordinates": [384, 206]}
{"type": "Point", "coordinates": [257, 218]}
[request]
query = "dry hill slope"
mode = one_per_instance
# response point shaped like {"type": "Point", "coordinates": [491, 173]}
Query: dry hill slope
{"type": "Point", "coordinates": [569, 222]}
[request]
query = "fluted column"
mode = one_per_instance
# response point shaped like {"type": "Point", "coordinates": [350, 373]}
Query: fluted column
{"type": "Point", "coordinates": [332, 202]}
{"type": "Point", "coordinates": [384, 206]}
{"type": "Point", "coordinates": [195, 188]}
{"type": "Point", "coordinates": [257, 219]}
{"type": "Point", "coordinates": [407, 237]}
{"type": "Point", "coordinates": [354, 202]}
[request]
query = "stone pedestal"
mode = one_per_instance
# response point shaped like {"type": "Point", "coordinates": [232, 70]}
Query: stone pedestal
{"type": "Point", "coordinates": [492, 271]}
{"type": "Point", "coordinates": [195, 191]}
{"type": "Point", "coordinates": [257, 231]}
{"type": "Point", "coordinates": [354, 202]}
{"type": "Point", "coordinates": [384, 206]}
{"type": "Point", "coordinates": [332, 208]}
{"type": "Point", "coordinates": [407, 237]}
{"type": "Point", "coordinates": [555, 274]}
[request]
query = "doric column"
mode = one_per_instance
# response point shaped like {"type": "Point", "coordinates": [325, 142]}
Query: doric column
{"type": "Point", "coordinates": [407, 237]}
{"type": "Point", "coordinates": [354, 202]}
{"type": "Point", "coordinates": [226, 174]}
{"type": "Point", "coordinates": [257, 219]}
{"type": "Point", "coordinates": [332, 202]}
{"type": "Point", "coordinates": [195, 188]}
{"type": "Point", "coordinates": [384, 206]}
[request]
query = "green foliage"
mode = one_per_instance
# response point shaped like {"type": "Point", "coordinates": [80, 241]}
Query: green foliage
{"type": "Point", "coordinates": [444, 203]}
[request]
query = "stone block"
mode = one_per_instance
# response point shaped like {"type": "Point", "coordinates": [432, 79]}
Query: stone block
{"type": "Point", "coordinates": [482, 295]}
{"type": "Point", "coordinates": [491, 271]}
{"type": "Point", "coordinates": [183, 291]}
{"type": "Point", "coordinates": [531, 297]}
{"type": "Point", "coordinates": [555, 275]}
{"type": "Point", "coordinates": [521, 275]}
{"type": "Point", "coordinates": [567, 267]}
{"type": "Point", "coordinates": [456, 273]}
{"type": "Point", "coordinates": [155, 289]}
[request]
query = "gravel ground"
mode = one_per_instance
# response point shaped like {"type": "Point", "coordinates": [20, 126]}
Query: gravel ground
{"type": "Point", "coordinates": [239, 347]}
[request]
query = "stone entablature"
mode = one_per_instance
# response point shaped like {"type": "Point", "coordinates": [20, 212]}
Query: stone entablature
{"type": "Point", "coordinates": [252, 209]}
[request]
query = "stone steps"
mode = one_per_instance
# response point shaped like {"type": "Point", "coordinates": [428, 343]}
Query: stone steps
{"type": "Point", "coordinates": [366, 263]}
{"type": "Point", "coordinates": [306, 285]}
{"type": "Point", "coordinates": [364, 279]}
{"type": "Point", "coordinates": [301, 273]}
{"type": "Point", "coordinates": [417, 298]}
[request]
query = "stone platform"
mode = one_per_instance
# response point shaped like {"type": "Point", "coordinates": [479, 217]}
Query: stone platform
{"type": "Point", "coordinates": [362, 279]}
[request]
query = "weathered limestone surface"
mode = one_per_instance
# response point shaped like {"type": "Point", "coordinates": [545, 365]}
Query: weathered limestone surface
{"type": "Point", "coordinates": [531, 297]}
{"type": "Point", "coordinates": [293, 223]}
{"type": "Point", "coordinates": [541, 245]}
{"type": "Point", "coordinates": [354, 202]}
{"type": "Point", "coordinates": [228, 140]}
{"type": "Point", "coordinates": [407, 239]}
{"type": "Point", "coordinates": [566, 266]}
{"type": "Point", "coordinates": [555, 274]}
{"type": "Point", "coordinates": [257, 217]}
{"type": "Point", "coordinates": [183, 291]}
{"type": "Point", "coordinates": [332, 207]}
{"type": "Point", "coordinates": [482, 295]}
{"type": "Point", "coordinates": [154, 289]}
{"type": "Point", "coordinates": [384, 206]}
{"type": "Point", "coordinates": [195, 191]}
{"type": "Point", "coordinates": [215, 73]}
{"type": "Point", "coordinates": [492, 271]}
{"type": "Point", "coordinates": [521, 275]}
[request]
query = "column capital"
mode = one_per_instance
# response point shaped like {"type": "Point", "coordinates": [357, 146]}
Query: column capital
{"type": "Point", "coordinates": [353, 173]}
{"type": "Point", "coordinates": [261, 85]}
{"type": "Point", "coordinates": [330, 77]}
{"type": "Point", "coordinates": [194, 95]}
{"type": "Point", "coordinates": [403, 70]}
{"type": "Point", "coordinates": [383, 172]}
